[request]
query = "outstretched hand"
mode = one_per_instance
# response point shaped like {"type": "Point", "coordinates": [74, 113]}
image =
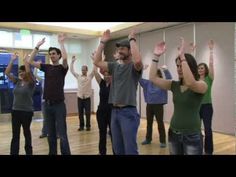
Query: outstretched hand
{"type": "Point", "coordinates": [61, 38]}
{"type": "Point", "coordinates": [159, 49]}
{"type": "Point", "coordinates": [41, 42]}
{"type": "Point", "coordinates": [192, 47]}
{"type": "Point", "coordinates": [211, 44]}
{"type": "Point", "coordinates": [14, 56]}
{"type": "Point", "coordinates": [74, 58]}
{"type": "Point", "coordinates": [106, 36]}
{"type": "Point", "coordinates": [181, 49]}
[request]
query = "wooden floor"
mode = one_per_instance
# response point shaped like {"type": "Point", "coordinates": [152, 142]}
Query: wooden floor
{"type": "Point", "coordinates": [86, 142]}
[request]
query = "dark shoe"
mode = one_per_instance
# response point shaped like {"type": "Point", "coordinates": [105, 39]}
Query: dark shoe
{"type": "Point", "coordinates": [88, 129]}
{"type": "Point", "coordinates": [162, 145]}
{"type": "Point", "coordinates": [146, 142]}
{"type": "Point", "coordinates": [42, 136]}
{"type": "Point", "coordinates": [80, 129]}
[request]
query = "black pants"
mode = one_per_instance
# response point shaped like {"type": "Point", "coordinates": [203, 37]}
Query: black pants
{"type": "Point", "coordinates": [206, 113]}
{"type": "Point", "coordinates": [157, 111]}
{"type": "Point", "coordinates": [21, 118]}
{"type": "Point", "coordinates": [84, 104]}
{"type": "Point", "coordinates": [104, 121]}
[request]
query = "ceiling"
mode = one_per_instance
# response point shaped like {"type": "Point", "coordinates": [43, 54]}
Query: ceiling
{"type": "Point", "coordinates": [89, 30]}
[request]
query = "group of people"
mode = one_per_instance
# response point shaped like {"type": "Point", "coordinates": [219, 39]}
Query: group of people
{"type": "Point", "coordinates": [117, 107]}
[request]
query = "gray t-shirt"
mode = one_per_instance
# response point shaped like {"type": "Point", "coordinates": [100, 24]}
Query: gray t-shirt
{"type": "Point", "coordinates": [124, 83]}
{"type": "Point", "coordinates": [23, 93]}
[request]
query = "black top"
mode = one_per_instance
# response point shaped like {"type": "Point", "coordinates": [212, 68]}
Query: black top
{"type": "Point", "coordinates": [104, 93]}
{"type": "Point", "coordinates": [54, 82]}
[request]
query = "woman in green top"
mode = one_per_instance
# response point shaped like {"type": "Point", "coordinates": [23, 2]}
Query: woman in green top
{"type": "Point", "coordinates": [184, 134]}
{"type": "Point", "coordinates": [206, 110]}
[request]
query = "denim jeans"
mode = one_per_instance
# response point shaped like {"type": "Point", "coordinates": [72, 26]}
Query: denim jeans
{"type": "Point", "coordinates": [206, 112]}
{"type": "Point", "coordinates": [56, 121]}
{"type": "Point", "coordinates": [185, 144]}
{"type": "Point", "coordinates": [124, 128]}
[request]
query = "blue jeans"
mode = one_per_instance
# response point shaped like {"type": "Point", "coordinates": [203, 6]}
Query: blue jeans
{"type": "Point", "coordinates": [124, 128]}
{"type": "Point", "coordinates": [56, 121]}
{"type": "Point", "coordinates": [206, 112]}
{"type": "Point", "coordinates": [185, 144]}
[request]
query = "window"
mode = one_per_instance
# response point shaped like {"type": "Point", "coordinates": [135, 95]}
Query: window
{"type": "Point", "coordinates": [22, 40]}
{"type": "Point", "coordinates": [6, 39]}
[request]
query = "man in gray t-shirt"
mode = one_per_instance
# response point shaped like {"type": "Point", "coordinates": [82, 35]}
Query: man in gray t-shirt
{"type": "Point", "coordinates": [125, 119]}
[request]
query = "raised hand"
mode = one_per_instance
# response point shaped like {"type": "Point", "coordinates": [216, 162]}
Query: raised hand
{"type": "Point", "coordinates": [61, 38]}
{"type": "Point", "coordinates": [181, 50]}
{"type": "Point", "coordinates": [106, 36]}
{"type": "Point", "coordinates": [26, 58]}
{"type": "Point", "coordinates": [211, 44]}
{"type": "Point", "coordinates": [132, 34]}
{"type": "Point", "coordinates": [40, 42]}
{"type": "Point", "coordinates": [93, 55]}
{"type": "Point", "coordinates": [14, 56]}
{"type": "Point", "coordinates": [74, 58]}
{"type": "Point", "coordinates": [192, 47]}
{"type": "Point", "coordinates": [159, 49]}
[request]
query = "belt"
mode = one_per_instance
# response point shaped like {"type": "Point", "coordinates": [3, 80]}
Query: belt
{"type": "Point", "coordinates": [120, 107]}
{"type": "Point", "coordinates": [52, 102]}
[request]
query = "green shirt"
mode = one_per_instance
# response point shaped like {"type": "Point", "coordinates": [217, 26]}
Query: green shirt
{"type": "Point", "coordinates": [186, 117]}
{"type": "Point", "coordinates": [207, 96]}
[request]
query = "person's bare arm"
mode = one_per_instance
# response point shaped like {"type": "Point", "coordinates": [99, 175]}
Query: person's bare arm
{"type": "Point", "coordinates": [211, 59]}
{"type": "Point", "coordinates": [159, 49]}
{"type": "Point", "coordinates": [138, 64]}
{"type": "Point", "coordinates": [34, 52]}
{"type": "Point", "coordinates": [61, 40]}
{"type": "Point", "coordinates": [14, 57]}
{"type": "Point", "coordinates": [76, 75]}
{"type": "Point", "coordinates": [98, 56]}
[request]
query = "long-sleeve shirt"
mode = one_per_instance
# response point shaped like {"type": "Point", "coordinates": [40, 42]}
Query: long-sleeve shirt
{"type": "Point", "coordinates": [152, 93]}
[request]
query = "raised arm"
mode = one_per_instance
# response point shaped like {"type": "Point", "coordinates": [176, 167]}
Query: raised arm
{"type": "Point", "coordinates": [211, 59]}
{"type": "Point", "coordinates": [190, 81]}
{"type": "Point", "coordinates": [76, 75]}
{"type": "Point", "coordinates": [27, 68]}
{"type": "Point", "coordinates": [98, 56]}
{"type": "Point", "coordinates": [34, 52]}
{"type": "Point", "coordinates": [159, 49]}
{"type": "Point", "coordinates": [9, 67]}
{"type": "Point", "coordinates": [138, 65]}
{"type": "Point", "coordinates": [95, 70]}
{"type": "Point", "coordinates": [61, 40]}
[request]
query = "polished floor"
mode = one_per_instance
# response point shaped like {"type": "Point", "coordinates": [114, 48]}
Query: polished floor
{"type": "Point", "coordinates": [86, 142]}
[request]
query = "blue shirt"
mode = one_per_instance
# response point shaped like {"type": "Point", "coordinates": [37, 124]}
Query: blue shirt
{"type": "Point", "coordinates": [152, 93]}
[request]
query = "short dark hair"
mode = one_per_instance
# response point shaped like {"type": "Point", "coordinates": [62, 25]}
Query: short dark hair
{"type": "Point", "coordinates": [123, 43]}
{"type": "Point", "coordinates": [56, 49]}
{"type": "Point", "coordinates": [206, 68]}
{"type": "Point", "coordinates": [192, 65]}
{"type": "Point", "coordinates": [22, 68]}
